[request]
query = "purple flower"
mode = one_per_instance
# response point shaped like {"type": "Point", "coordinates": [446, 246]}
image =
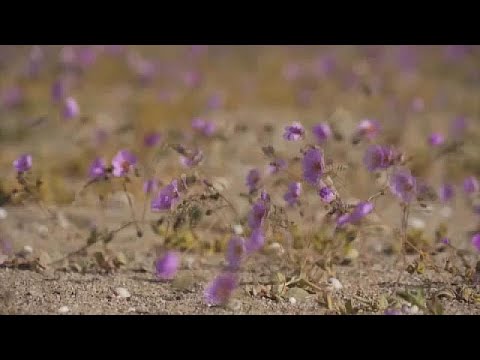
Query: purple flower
{"type": "Point", "coordinates": [360, 211]}
{"type": "Point", "coordinates": [293, 193]}
{"type": "Point", "coordinates": [470, 185]}
{"type": "Point", "coordinates": [70, 108]}
{"type": "Point", "coordinates": [166, 198]}
{"type": "Point", "coordinates": [204, 127]}
{"type": "Point", "coordinates": [257, 214]}
{"type": "Point", "coordinates": [58, 91]}
{"type": "Point", "coordinates": [192, 159]}
{"type": "Point", "coordinates": [324, 65]}
{"type": "Point", "coordinates": [87, 56]}
{"type": "Point", "coordinates": [326, 194]}
{"type": "Point", "coordinates": [166, 267]}
{"type": "Point", "coordinates": [294, 132]}
{"type": "Point", "coordinates": [123, 162]}
{"type": "Point", "coordinates": [97, 168]}
{"type": "Point", "coordinates": [23, 163]}
{"type": "Point", "coordinates": [276, 165]}
{"type": "Point", "coordinates": [264, 196]}
{"type": "Point", "coordinates": [458, 127]}
{"type": "Point", "coordinates": [192, 79]}
{"type": "Point", "coordinates": [393, 312]}
{"type": "Point", "coordinates": [235, 252]}
{"type": "Point", "coordinates": [253, 178]}
{"type": "Point", "coordinates": [150, 186]}
{"type": "Point", "coordinates": [378, 157]}
{"type": "Point", "coordinates": [403, 185]}
{"type": "Point", "coordinates": [218, 292]}
{"type": "Point", "coordinates": [313, 165]}
{"type": "Point", "coordinates": [256, 241]}
{"type": "Point", "coordinates": [436, 139]}
{"type": "Point", "coordinates": [368, 128]}
{"type": "Point", "coordinates": [446, 192]}
{"type": "Point", "coordinates": [322, 131]}
{"type": "Point", "coordinates": [476, 241]}
{"type": "Point", "coordinates": [445, 241]}
{"type": "Point", "coordinates": [152, 139]}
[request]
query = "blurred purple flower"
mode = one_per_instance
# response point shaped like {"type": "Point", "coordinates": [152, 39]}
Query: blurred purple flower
{"type": "Point", "coordinates": [13, 97]}
{"type": "Point", "coordinates": [70, 108]}
{"type": "Point", "coordinates": [294, 132]}
{"type": "Point", "coordinates": [152, 139]}
{"type": "Point", "coordinates": [235, 252]}
{"type": "Point", "coordinates": [455, 53]}
{"type": "Point", "coordinates": [445, 241]}
{"type": "Point", "coordinates": [218, 292]}
{"type": "Point", "coordinates": [276, 165]}
{"type": "Point", "coordinates": [403, 185]}
{"type": "Point", "coordinates": [166, 267]}
{"type": "Point", "coordinates": [476, 241]}
{"type": "Point", "coordinates": [166, 198]}
{"type": "Point", "coordinates": [123, 162]}
{"type": "Point", "coordinates": [35, 61]}
{"type": "Point", "coordinates": [313, 165]}
{"type": "Point", "coordinates": [322, 132]}
{"type": "Point", "coordinates": [192, 159]}
{"type": "Point", "coordinates": [215, 102]}
{"type": "Point", "coordinates": [378, 157]}
{"type": "Point", "coordinates": [150, 186]}
{"type": "Point", "coordinates": [23, 163]}
{"type": "Point", "coordinates": [393, 312]}
{"type": "Point", "coordinates": [361, 210]}
{"type": "Point", "coordinates": [252, 180]}
{"type": "Point", "coordinates": [256, 241]}
{"type": "Point", "coordinates": [324, 66]}
{"type": "Point", "coordinates": [204, 127]}
{"type": "Point", "coordinates": [58, 91]}
{"type": "Point", "coordinates": [446, 192]}
{"type": "Point", "coordinates": [458, 127]}
{"type": "Point", "coordinates": [326, 194]}
{"type": "Point", "coordinates": [407, 57]}
{"type": "Point", "coordinates": [293, 193]}
{"type": "Point", "coordinates": [97, 168]}
{"type": "Point", "coordinates": [192, 79]}
{"type": "Point", "coordinates": [436, 139]}
{"type": "Point", "coordinates": [257, 214]}
{"type": "Point", "coordinates": [264, 196]}
{"type": "Point", "coordinates": [368, 128]}
{"type": "Point", "coordinates": [470, 185]}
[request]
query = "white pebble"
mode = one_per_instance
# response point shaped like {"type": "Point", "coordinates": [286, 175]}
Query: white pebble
{"type": "Point", "coordinates": [416, 223]}
{"type": "Point", "coordinates": [27, 249]}
{"type": "Point", "coordinates": [414, 309]}
{"type": "Point", "coordinates": [292, 300]}
{"type": "Point", "coordinates": [336, 284]}
{"type": "Point", "coordinates": [122, 293]}
{"type": "Point", "coordinates": [3, 214]}
{"type": "Point", "coordinates": [238, 229]}
{"type": "Point", "coordinates": [63, 310]}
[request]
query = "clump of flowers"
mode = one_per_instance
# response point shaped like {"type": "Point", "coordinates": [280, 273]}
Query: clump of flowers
{"type": "Point", "coordinates": [166, 198]}
{"type": "Point", "coordinates": [360, 211]}
{"type": "Point", "coordinates": [166, 267]}
{"type": "Point", "coordinates": [313, 165]}
{"type": "Point", "coordinates": [204, 127]}
{"type": "Point", "coordinates": [23, 163]}
{"type": "Point", "coordinates": [322, 132]}
{"type": "Point", "coordinates": [403, 185]}
{"type": "Point", "coordinates": [293, 194]}
{"type": "Point", "coordinates": [379, 157]}
{"type": "Point", "coordinates": [252, 180]}
{"type": "Point", "coordinates": [123, 162]}
{"type": "Point", "coordinates": [97, 169]}
{"type": "Point", "coordinates": [368, 129]}
{"type": "Point", "coordinates": [294, 132]}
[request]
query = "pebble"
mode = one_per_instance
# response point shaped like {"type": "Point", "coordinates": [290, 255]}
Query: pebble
{"type": "Point", "coordinates": [27, 250]}
{"type": "Point", "coordinates": [122, 293]}
{"type": "Point", "coordinates": [417, 223]}
{"type": "Point", "coordinates": [335, 283]}
{"type": "Point", "coordinates": [238, 229]}
{"type": "Point", "coordinates": [275, 248]}
{"type": "Point", "coordinates": [292, 300]}
{"type": "Point", "coordinates": [3, 214]}
{"type": "Point", "coordinates": [63, 310]}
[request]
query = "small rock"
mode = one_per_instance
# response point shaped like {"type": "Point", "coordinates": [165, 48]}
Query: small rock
{"type": "Point", "coordinates": [292, 300]}
{"type": "Point", "coordinates": [189, 262]}
{"type": "Point", "coordinates": [27, 250]}
{"type": "Point", "coordinates": [335, 283]}
{"type": "Point", "coordinates": [298, 293]}
{"type": "Point", "coordinates": [62, 220]}
{"type": "Point", "coordinates": [44, 259]}
{"type": "Point", "coordinates": [120, 260]}
{"type": "Point", "coordinates": [416, 223]}
{"type": "Point", "coordinates": [3, 214]}
{"type": "Point", "coordinates": [275, 249]}
{"type": "Point", "coordinates": [131, 310]}
{"type": "Point", "coordinates": [63, 310]}
{"type": "Point", "coordinates": [76, 267]}
{"type": "Point", "coordinates": [238, 229]}
{"type": "Point", "coordinates": [122, 293]}
{"type": "Point", "coordinates": [414, 310]}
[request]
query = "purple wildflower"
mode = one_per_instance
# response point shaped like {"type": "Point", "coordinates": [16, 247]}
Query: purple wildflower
{"type": "Point", "coordinates": [123, 162]}
{"type": "Point", "coordinates": [97, 168]}
{"type": "Point", "coordinates": [393, 312]}
{"type": "Point", "coordinates": [253, 178]}
{"type": "Point", "coordinates": [218, 292]}
{"type": "Point", "coordinates": [150, 186]}
{"type": "Point", "coordinates": [294, 132]}
{"type": "Point", "coordinates": [204, 127]}
{"type": "Point", "coordinates": [215, 102]}
{"type": "Point", "coordinates": [276, 165]}
{"type": "Point", "coordinates": [152, 139]}
{"type": "Point", "coordinates": [378, 157]}
{"type": "Point", "coordinates": [58, 91]}
{"type": "Point", "coordinates": [322, 131]}
{"type": "Point", "coordinates": [264, 196]}
{"type": "Point", "coordinates": [70, 108]}
{"type": "Point", "coordinates": [476, 241]}
{"type": "Point", "coordinates": [192, 79]}
{"type": "Point", "coordinates": [257, 214]}
{"type": "Point", "coordinates": [326, 194]}
{"type": "Point", "coordinates": [445, 241]}
{"type": "Point", "coordinates": [293, 193]}
{"type": "Point", "coordinates": [446, 192]}
{"type": "Point", "coordinates": [368, 128]}
{"type": "Point", "coordinates": [235, 252]}
{"type": "Point", "coordinates": [192, 159]}
{"type": "Point", "coordinates": [166, 267]}
{"type": "Point", "coordinates": [361, 210]}
{"type": "Point", "coordinates": [403, 185]}
{"type": "Point", "coordinates": [436, 139]}
{"type": "Point", "coordinates": [470, 185]}
{"type": "Point", "coordinates": [166, 198]}
{"type": "Point", "coordinates": [313, 165]}
{"type": "Point", "coordinates": [23, 163]}
{"type": "Point", "coordinates": [256, 241]}
{"type": "Point", "coordinates": [458, 127]}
